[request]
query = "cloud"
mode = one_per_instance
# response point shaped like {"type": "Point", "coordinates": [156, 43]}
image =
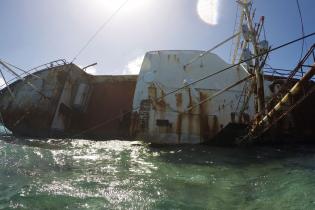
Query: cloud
{"type": "Point", "coordinates": [91, 70]}
{"type": "Point", "coordinates": [133, 67]}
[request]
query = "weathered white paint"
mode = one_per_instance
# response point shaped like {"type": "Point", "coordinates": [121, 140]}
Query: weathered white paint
{"type": "Point", "coordinates": [166, 71]}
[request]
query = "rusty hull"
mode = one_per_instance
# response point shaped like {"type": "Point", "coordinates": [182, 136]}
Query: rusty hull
{"type": "Point", "coordinates": [30, 111]}
{"type": "Point", "coordinates": [48, 109]}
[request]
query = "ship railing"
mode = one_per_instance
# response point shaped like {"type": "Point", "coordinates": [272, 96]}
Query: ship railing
{"type": "Point", "coordinates": [275, 109]}
{"type": "Point", "coordinates": [285, 73]}
{"type": "Point", "coordinates": [52, 64]}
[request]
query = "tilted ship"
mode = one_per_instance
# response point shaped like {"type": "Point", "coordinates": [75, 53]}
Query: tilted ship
{"type": "Point", "coordinates": [179, 97]}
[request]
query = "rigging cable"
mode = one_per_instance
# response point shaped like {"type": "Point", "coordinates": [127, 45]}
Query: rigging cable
{"type": "Point", "coordinates": [18, 68]}
{"type": "Point", "coordinates": [234, 29]}
{"type": "Point", "coordinates": [99, 30]}
{"type": "Point", "coordinates": [302, 27]}
{"type": "Point", "coordinates": [241, 62]}
{"type": "Point", "coordinates": [197, 81]}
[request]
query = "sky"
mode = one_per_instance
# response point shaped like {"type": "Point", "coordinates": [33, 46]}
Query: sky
{"type": "Point", "coordinates": [34, 32]}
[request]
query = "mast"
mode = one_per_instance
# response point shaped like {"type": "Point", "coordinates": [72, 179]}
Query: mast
{"type": "Point", "coordinates": [249, 41]}
{"type": "Point", "coordinates": [238, 39]}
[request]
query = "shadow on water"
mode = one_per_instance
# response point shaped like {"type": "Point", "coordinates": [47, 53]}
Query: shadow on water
{"type": "Point", "coordinates": [233, 156]}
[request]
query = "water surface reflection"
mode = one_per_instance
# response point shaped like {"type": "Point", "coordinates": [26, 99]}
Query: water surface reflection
{"type": "Point", "coordinates": [80, 174]}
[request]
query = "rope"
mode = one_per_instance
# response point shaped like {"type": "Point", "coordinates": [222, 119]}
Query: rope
{"type": "Point", "coordinates": [237, 64]}
{"type": "Point", "coordinates": [99, 30]}
{"type": "Point", "coordinates": [302, 27]}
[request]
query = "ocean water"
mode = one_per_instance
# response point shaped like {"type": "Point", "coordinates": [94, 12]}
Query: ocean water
{"type": "Point", "coordinates": [80, 174]}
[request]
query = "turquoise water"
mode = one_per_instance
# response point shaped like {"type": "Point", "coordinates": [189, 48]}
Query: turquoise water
{"type": "Point", "coordinates": [79, 174]}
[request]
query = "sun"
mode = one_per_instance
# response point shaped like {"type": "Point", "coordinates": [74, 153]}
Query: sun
{"type": "Point", "coordinates": [208, 11]}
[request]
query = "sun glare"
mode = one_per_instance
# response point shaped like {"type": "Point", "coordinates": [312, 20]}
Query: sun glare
{"type": "Point", "coordinates": [129, 7]}
{"type": "Point", "coordinates": [208, 11]}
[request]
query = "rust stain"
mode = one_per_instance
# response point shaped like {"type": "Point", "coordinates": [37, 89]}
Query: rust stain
{"type": "Point", "coordinates": [215, 126]}
{"type": "Point", "coordinates": [179, 127]}
{"type": "Point", "coordinates": [161, 104]}
{"type": "Point", "coordinates": [179, 121]}
{"type": "Point", "coordinates": [179, 101]}
{"type": "Point", "coordinates": [190, 113]}
{"type": "Point", "coordinates": [203, 117]}
{"type": "Point", "coordinates": [152, 92]}
{"type": "Point", "coordinates": [111, 96]}
{"type": "Point", "coordinates": [190, 99]}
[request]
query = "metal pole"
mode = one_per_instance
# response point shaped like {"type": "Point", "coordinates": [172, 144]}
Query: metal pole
{"type": "Point", "coordinates": [13, 72]}
{"type": "Point", "coordinates": [215, 47]}
{"type": "Point", "coordinates": [258, 73]}
{"type": "Point", "coordinates": [238, 41]}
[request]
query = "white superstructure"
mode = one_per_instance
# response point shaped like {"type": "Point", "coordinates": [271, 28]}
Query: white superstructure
{"type": "Point", "coordinates": [185, 116]}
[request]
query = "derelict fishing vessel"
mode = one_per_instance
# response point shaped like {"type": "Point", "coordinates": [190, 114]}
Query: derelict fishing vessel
{"type": "Point", "coordinates": [60, 99]}
{"type": "Point", "coordinates": [179, 97]}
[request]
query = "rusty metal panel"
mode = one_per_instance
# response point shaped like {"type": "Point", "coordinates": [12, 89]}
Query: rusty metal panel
{"type": "Point", "coordinates": [51, 109]}
{"type": "Point", "coordinates": [31, 111]}
{"type": "Point", "coordinates": [108, 113]}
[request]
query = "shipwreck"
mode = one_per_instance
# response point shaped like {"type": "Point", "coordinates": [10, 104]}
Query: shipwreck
{"type": "Point", "coordinates": [179, 97]}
